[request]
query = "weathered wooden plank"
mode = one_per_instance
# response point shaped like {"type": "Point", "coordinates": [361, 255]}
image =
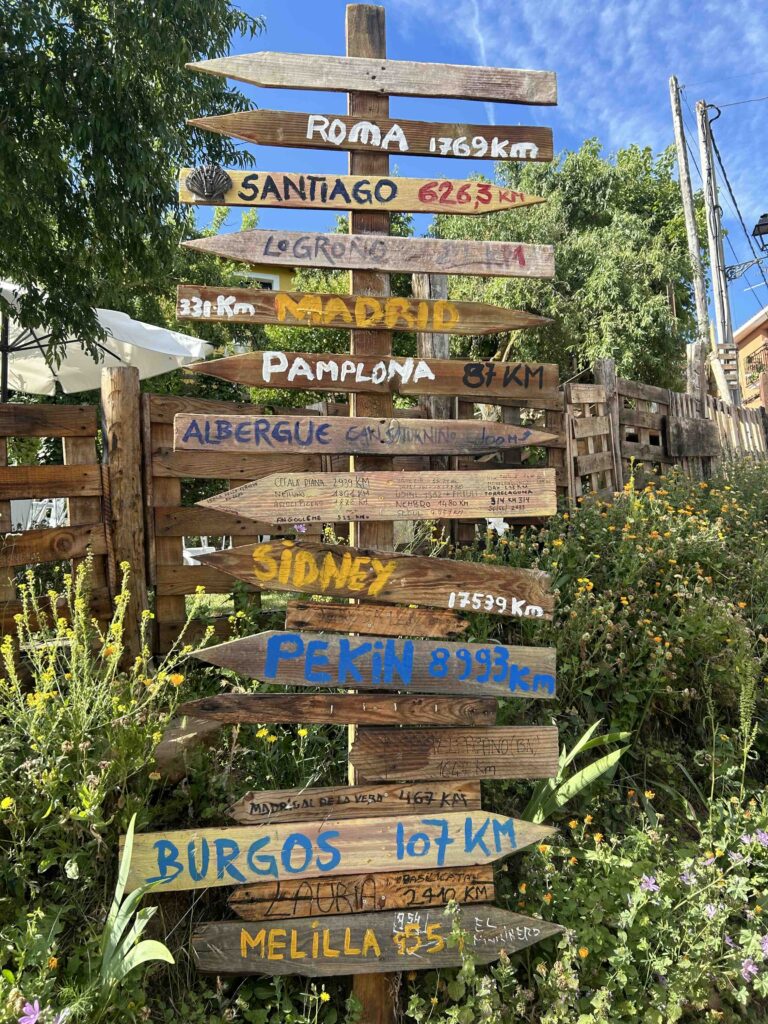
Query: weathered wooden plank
{"type": "Point", "coordinates": [692, 437]}
{"type": "Point", "coordinates": [49, 481]}
{"type": "Point", "coordinates": [360, 894]}
{"type": "Point", "coordinates": [387, 254]}
{"type": "Point", "coordinates": [360, 497]}
{"type": "Point", "coordinates": [205, 522]}
{"type": "Point", "coordinates": [355, 802]}
{"type": "Point", "coordinates": [385, 77]}
{"type": "Point", "coordinates": [390, 940]}
{"type": "Point", "coordinates": [305, 566]}
{"type": "Point", "coordinates": [208, 463]}
{"type": "Point", "coordinates": [649, 452]}
{"type": "Point", "coordinates": [176, 580]}
{"type": "Point", "coordinates": [342, 709]}
{"type": "Point", "coordinates": [382, 619]}
{"type": "Point", "coordinates": [316, 309]}
{"type": "Point", "coordinates": [199, 858]}
{"type": "Point", "coordinates": [370, 663]}
{"type": "Point", "coordinates": [478, 381]}
{"type": "Point", "coordinates": [47, 420]}
{"type": "Point", "coordinates": [595, 462]}
{"type": "Point", "coordinates": [643, 392]}
{"type": "Point", "coordinates": [640, 418]}
{"type": "Point", "coordinates": [500, 752]}
{"type": "Point", "coordinates": [259, 439]}
{"type": "Point", "coordinates": [591, 426]}
{"type": "Point", "coordinates": [289, 190]}
{"type": "Point", "coordinates": [52, 545]}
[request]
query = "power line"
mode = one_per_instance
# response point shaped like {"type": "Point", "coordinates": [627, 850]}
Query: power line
{"type": "Point", "coordinates": [739, 103]}
{"type": "Point", "coordinates": [728, 78]}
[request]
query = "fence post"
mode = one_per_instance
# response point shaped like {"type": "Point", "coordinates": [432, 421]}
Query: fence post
{"type": "Point", "coordinates": [605, 374]}
{"type": "Point", "coordinates": [120, 400]}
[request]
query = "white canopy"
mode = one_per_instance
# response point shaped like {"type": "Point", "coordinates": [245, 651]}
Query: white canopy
{"type": "Point", "coordinates": [154, 350]}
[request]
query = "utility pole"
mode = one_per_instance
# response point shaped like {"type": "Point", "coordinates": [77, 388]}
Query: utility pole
{"type": "Point", "coordinates": [726, 349]}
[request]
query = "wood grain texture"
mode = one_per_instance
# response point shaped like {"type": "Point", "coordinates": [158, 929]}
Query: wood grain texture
{"type": "Point", "coordinates": [47, 420]}
{"type": "Point", "coordinates": [302, 436]}
{"type": "Point", "coordinates": [300, 191]}
{"type": "Point", "coordinates": [360, 894]}
{"type": "Point", "coordinates": [692, 437]}
{"type": "Point", "coordinates": [181, 736]}
{"type": "Point", "coordinates": [199, 858]}
{"type": "Point", "coordinates": [374, 134]}
{"type": "Point", "coordinates": [305, 566]}
{"type": "Point", "coordinates": [382, 619]}
{"type": "Point", "coordinates": [196, 522]}
{"type": "Point", "coordinates": [385, 374]}
{"type": "Point", "coordinates": [318, 309]}
{"type": "Point", "coordinates": [365, 496]}
{"type": "Point", "coordinates": [316, 804]}
{"type": "Point", "coordinates": [385, 77]}
{"type": "Point", "coordinates": [49, 481]}
{"type": "Point", "coordinates": [342, 709]}
{"type": "Point", "coordinates": [390, 940]}
{"type": "Point", "coordinates": [212, 464]}
{"type": "Point", "coordinates": [370, 663]}
{"type": "Point", "coordinates": [385, 254]}
{"type": "Point", "coordinates": [500, 752]}
{"type": "Point", "coordinates": [52, 545]}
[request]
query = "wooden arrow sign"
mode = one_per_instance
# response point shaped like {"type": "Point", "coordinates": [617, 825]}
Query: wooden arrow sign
{"type": "Point", "coordinates": [348, 312]}
{"type": "Point", "coordinates": [358, 497]}
{"type": "Point", "coordinates": [305, 566]}
{"type": "Point", "coordinates": [360, 894]}
{"type": "Point", "coordinates": [200, 858]}
{"type": "Point", "coordinates": [372, 663]}
{"type": "Point", "coordinates": [391, 940]}
{"type": "Point", "coordinates": [342, 709]}
{"type": "Point", "coordinates": [382, 619]}
{"type": "Point", "coordinates": [381, 252]}
{"type": "Point", "coordinates": [503, 752]}
{"type": "Point", "coordinates": [349, 435]}
{"type": "Point", "coordinates": [315, 804]}
{"type": "Point", "coordinates": [380, 134]}
{"type": "Point", "coordinates": [385, 77]}
{"type": "Point", "coordinates": [536, 383]}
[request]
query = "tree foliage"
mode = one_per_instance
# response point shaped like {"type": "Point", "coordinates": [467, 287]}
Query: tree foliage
{"type": "Point", "coordinates": [94, 103]}
{"type": "Point", "coordinates": [623, 277]}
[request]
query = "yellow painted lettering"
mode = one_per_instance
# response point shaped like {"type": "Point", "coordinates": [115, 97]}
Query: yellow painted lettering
{"type": "Point", "coordinates": [383, 571]}
{"type": "Point", "coordinates": [368, 312]}
{"type": "Point", "coordinates": [336, 309]}
{"type": "Point", "coordinates": [276, 943]}
{"type": "Point", "coordinates": [328, 949]}
{"type": "Point", "coordinates": [357, 574]}
{"type": "Point", "coordinates": [307, 309]}
{"type": "Point", "coordinates": [248, 941]}
{"type": "Point", "coordinates": [422, 315]}
{"type": "Point", "coordinates": [284, 572]}
{"type": "Point", "coordinates": [305, 569]}
{"type": "Point", "coordinates": [296, 953]}
{"type": "Point", "coordinates": [333, 572]}
{"type": "Point", "coordinates": [397, 310]}
{"type": "Point", "coordinates": [369, 942]}
{"type": "Point", "coordinates": [349, 949]}
{"type": "Point", "coordinates": [446, 315]}
{"type": "Point", "coordinates": [264, 565]}
{"type": "Point", "coordinates": [315, 942]}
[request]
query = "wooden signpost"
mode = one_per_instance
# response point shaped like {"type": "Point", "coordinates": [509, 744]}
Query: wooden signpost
{"type": "Point", "coordinates": [200, 858]}
{"type": "Point", "coordinates": [392, 940]}
{"type": "Point", "coordinates": [360, 894]}
{"type": "Point", "coordinates": [349, 435]}
{"type": "Point", "coordinates": [503, 752]}
{"type": "Point", "coordinates": [371, 663]}
{"type": "Point", "coordinates": [384, 77]}
{"type": "Point", "coordinates": [344, 497]}
{"type": "Point", "coordinates": [355, 802]}
{"type": "Point", "coordinates": [345, 709]}
{"type": "Point", "coordinates": [383, 375]}
{"type": "Point", "coordinates": [381, 134]}
{"type": "Point", "coordinates": [382, 619]}
{"type": "Point", "coordinates": [302, 309]}
{"type": "Point", "coordinates": [385, 253]}
{"type": "Point", "coordinates": [305, 566]}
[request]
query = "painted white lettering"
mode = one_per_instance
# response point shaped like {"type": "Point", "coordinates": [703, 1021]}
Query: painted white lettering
{"type": "Point", "coordinates": [337, 131]}
{"type": "Point", "coordinates": [300, 368]}
{"type": "Point", "coordinates": [366, 132]}
{"type": "Point", "coordinates": [395, 134]}
{"type": "Point", "coordinates": [317, 125]}
{"type": "Point", "coordinates": [273, 362]}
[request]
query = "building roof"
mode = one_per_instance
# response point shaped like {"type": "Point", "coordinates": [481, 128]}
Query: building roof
{"type": "Point", "coordinates": [746, 329]}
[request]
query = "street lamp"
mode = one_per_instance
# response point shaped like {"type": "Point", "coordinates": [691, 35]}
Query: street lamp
{"type": "Point", "coordinates": [760, 232]}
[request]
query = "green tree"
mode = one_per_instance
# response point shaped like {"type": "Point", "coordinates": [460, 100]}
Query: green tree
{"type": "Point", "coordinates": [623, 278]}
{"type": "Point", "coordinates": [94, 103]}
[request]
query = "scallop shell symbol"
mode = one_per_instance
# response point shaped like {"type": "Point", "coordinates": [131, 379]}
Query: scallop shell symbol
{"type": "Point", "coordinates": [210, 182]}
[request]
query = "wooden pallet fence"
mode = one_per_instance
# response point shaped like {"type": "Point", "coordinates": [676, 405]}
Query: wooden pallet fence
{"type": "Point", "coordinates": [590, 442]}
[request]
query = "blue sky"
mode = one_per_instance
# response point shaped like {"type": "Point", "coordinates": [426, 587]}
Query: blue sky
{"type": "Point", "coordinates": [613, 59]}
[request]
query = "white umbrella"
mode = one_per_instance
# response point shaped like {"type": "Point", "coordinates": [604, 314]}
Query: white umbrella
{"type": "Point", "coordinates": [128, 342]}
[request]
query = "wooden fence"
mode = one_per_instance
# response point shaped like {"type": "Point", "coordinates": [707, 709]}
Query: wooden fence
{"type": "Point", "coordinates": [603, 432]}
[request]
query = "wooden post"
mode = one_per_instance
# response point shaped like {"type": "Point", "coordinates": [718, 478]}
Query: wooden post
{"type": "Point", "coordinates": [696, 375]}
{"type": "Point", "coordinates": [120, 400]}
{"type": "Point", "coordinates": [605, 374]}
{"type": "Point", "coordinates": [366, 36]}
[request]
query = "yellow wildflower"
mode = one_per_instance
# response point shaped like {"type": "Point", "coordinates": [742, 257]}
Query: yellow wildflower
{"type": "Point", "coordinates": [53, 962]}
{"type": "Point", "coordinates": [583, 952]}
{"type": "Point", "coordinates": [434, 1000]}
{"type": "Point", "coordinates": [7, 803]}
{"type": "Point", "coordinates": [573, 860]}
{"type": "Point", "coordinates": [271, 738]}
{"type": "Point", "coordinates": [558, 543]}
{"type": "Point", "coordinates": [547, 897]}
{"type": "Point", "coordinates": [588, 819]}
{"type": "Point", "coordinates": [598, 837]}
{"type": "Point", "coordinates": [741, 604]}
{"type": "Point", "coordinates": [303, 733]}
{"type": "Point", "coordinates": [324, 997]}
{"type": "Point", "coordinates": [155, 776]}
{"type": "Point", "coordinates": [176, 679]}
{"type": "Point", "coordinates": [649, 794]}
{"type": "Point", "coordinates": [262, 733]}
{"type": "Point", "coordinates": [573, 823]}
{"type": "Point", "coordinates": [543, 848]}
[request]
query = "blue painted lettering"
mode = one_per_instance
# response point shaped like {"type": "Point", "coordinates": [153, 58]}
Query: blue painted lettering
{"type": "Point", "coordinates": [296, 839]}
{"type": "Point", "coordinates": [477, 839]}
{"type": "Point", "coordinates": [324, 844]}
{"type": "Point", "coordinates": [227, 851]}
{"type": "Point", "coordinates": [168, 864]}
